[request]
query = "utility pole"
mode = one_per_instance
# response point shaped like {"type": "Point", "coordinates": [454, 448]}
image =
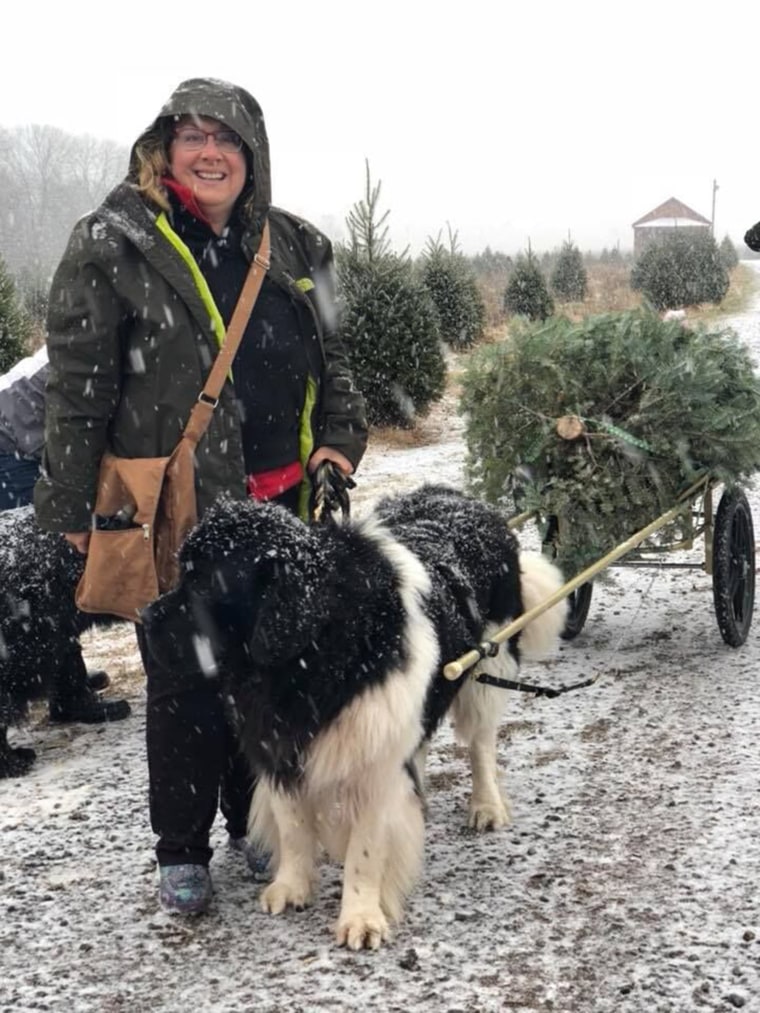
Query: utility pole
{"type": "Point", "coordinates": [712, 219]}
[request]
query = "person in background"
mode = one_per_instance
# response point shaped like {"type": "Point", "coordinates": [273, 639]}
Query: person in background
{"type": "Point", "coordinates": [74, 695]}
{"type": "Point", "coordinates": [22, 423]}
{"type": "Point", "coordinates": [752, 238]}
{"type": "Point", "coordinates": [137, 309]}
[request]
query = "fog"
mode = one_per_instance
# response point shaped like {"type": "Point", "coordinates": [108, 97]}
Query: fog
{"type": "Point", "coordinates": [512, 123]}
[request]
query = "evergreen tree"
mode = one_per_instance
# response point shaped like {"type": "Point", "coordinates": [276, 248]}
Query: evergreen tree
{"type": "Point", "coordinates": [728, 255]}
{"type": "Point", "coordinates": [452, 286]}
{"type": "Point", "coordinates": [15, 326]}
{"type": "Point", "coordinates": [682, 270]}
{"type": "Point", "coordinates": [389, 323]}
{"type": "Point", "coordinates": [569, 279]}
{"type": "Point", "coordinates": [33, 296]}
{"type": "Point", "coordinates": [526, 293]}
{"type": "Point", "coordinates": [491, 262]}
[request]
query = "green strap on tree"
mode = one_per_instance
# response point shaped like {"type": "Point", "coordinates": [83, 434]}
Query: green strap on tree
{"type": "Point", "coordinates": [621, 434]}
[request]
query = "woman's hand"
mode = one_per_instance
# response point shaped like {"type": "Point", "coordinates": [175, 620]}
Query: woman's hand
{"type": "Point", "coordinates": [79, 539]}
{"type": "Point", "coordinates": [329, 454]}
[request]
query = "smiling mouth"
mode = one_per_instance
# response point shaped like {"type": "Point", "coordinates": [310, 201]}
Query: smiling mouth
{"type": "Point", "coordinates": [212, 177]}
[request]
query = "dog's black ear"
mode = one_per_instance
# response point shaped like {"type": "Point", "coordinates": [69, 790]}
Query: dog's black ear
{"type": "Point", "coordinates": [290, 610]}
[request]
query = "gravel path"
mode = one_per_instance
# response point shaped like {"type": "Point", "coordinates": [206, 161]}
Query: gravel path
{"type": "Point", "coordinates": [627, 881]}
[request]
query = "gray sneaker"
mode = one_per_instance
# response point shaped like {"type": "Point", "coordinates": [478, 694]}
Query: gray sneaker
{"type": "Point", "coordinates": [256, 859]}
{"type": "Point", "coordinates": [184, 889]}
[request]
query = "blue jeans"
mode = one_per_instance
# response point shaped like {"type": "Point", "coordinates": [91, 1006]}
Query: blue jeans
{"type": "Point", "coordinates": [17, 477]}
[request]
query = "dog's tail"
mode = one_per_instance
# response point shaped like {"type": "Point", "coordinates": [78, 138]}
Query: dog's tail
{"type": "Point", "coordinates": [539, 579]}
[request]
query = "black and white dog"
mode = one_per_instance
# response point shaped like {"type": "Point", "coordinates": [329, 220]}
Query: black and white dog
{"type": "Point", "coordinates": [331, 640]}
{"type": "Point", "coordinates": [39, 622]}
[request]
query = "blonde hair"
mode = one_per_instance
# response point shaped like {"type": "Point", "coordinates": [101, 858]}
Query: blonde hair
{"type": "Point", "coordinates": [152, 165]}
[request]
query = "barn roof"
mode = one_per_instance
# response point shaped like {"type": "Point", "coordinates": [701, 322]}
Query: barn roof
{"type": "Point", "coordinates": [672, 209]}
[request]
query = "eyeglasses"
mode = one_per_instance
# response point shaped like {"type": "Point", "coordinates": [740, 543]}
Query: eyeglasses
{"type": "Point", "coordinates": [193, 139]}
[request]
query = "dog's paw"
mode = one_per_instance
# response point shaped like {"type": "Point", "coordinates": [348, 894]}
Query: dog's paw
{"type": "Point", "coordinates": [362, 930]}
{"type": "Point", "coordinates": [280, 895]}
{"type": "Point", "coordinates": [489, 815]}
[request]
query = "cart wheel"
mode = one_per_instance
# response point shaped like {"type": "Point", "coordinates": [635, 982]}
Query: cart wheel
{"type": "Point", "coordinates": [578, 602]}
{"type": "Point", "coordinates": [734, 567]}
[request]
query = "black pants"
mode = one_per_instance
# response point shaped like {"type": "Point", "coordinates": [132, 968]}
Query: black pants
{"type": "Point", "coordinates": [195, 764]}
{"type": "Point", "coordinates": [17, 477]}
{"type": "Point", "coordinates": [70, 683]}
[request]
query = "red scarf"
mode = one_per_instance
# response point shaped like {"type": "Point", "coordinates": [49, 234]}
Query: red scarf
{"type": "Point", "coordinates": [270, 484]}
{"type": "Point", "coordinates": [186, 196]}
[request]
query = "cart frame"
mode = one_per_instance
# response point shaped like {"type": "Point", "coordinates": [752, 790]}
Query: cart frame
{"type": "Point", "coordinates": [725, 596]}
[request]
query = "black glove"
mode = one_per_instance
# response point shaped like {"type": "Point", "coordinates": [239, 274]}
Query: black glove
{"type": "Point", "coordinates": [329, 493]}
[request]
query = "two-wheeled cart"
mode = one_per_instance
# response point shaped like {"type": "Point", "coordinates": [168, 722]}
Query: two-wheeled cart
{"type": "Point", "coordinates": [729, 557]}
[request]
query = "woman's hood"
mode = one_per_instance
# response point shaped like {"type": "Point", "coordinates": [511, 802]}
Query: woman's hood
{"type": "Point", "coordinates": [237, 109]}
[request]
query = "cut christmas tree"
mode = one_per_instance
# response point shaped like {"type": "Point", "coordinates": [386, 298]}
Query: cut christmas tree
{"type": "Point", "coordinates": [604, 423]}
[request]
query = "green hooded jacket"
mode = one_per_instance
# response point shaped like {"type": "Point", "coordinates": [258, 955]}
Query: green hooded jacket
{"type": "Point", "coordinates": [131, 337]}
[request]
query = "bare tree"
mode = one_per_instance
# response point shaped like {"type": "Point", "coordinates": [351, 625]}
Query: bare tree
{"type": "Point", "coordinates": [49, 179]}
{"type": "Point", "coordinates": [96, 165]}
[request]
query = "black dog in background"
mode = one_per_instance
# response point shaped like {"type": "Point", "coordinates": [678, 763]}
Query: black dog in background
{"type": "Point", "coordinates": [40, 627]}
{"type": "Point", "coordinates": [330, 640]}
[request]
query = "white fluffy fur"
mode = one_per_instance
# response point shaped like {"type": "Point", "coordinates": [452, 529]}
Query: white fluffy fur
{"type": "Point", "coordinates": [476, 715]}
{"type": "Point", "coordinates": [478, 710]}
{"type": "Point", "coordinates": [387, 718]}
{"type": "Point", "coordinates": [355, 803]}
{"type": "Point", "coordinates": [539, 579]}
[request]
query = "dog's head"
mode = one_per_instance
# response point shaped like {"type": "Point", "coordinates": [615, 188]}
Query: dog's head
{"type": "Point", "coordinates": [250, 582]}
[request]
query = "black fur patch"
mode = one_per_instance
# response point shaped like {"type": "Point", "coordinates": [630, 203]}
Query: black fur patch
{"type": "Point", "coordinates": [473, 562]}
{"type": "Point", "coordinates": [39, 620]}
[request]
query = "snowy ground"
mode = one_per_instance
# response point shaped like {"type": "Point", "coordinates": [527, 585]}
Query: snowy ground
{"type": "Point", "coordinates": [627, 882]}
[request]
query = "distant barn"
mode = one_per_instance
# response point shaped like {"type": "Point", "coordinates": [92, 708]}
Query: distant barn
{"type": "Point", "coordinates": [660, 223]}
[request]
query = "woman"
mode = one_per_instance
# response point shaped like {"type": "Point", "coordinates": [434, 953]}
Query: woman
{"type": "Point", "coordinates": [145, 288]}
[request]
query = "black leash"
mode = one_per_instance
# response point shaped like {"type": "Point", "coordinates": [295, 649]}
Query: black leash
{"type": "Point", "coordinates": [489, 649]}
{"type": "Point", "coordinates": [527, 687]}
{"type": "Point", "coordinates": [329, 494]}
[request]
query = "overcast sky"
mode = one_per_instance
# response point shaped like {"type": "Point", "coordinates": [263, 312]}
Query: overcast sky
{"type": "Point", "coordinates": [512, 121]}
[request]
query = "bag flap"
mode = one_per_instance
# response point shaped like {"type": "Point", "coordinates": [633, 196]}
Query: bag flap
{"type": "Point", "coordinates": [130, 482]}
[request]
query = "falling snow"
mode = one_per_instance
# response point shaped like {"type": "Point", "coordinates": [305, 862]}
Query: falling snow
{"type": "Point", "coordinates": [627, 881]}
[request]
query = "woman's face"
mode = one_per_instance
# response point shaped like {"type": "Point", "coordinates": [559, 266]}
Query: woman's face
{"type": "Point", "coordinates": [216, 175]}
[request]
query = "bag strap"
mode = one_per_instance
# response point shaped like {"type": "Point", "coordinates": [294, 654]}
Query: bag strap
{"type": "Point", "coordinates": [208, 398]}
